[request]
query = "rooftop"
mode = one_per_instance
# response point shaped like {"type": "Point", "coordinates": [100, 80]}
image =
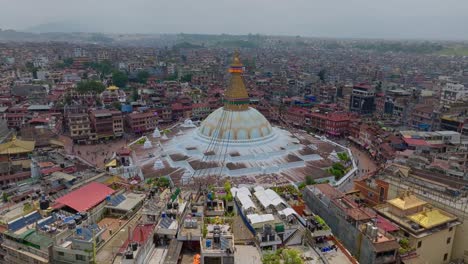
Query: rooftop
{"type": "Point", "coordinates": [86, 197]}
{"type": "Point", "coordinates": [406, 202]}
{"type": "Point", "coordinates": [16, 146]}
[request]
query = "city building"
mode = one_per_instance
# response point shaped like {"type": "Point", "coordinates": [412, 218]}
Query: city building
{"type": "Point", "coordinates": [430, 231]}
{"type": "Point", "coordinates": [140, 122]}
{"type": "Point", "coordinates": [79, 126]}
{"type": "Point", "coordinates": [362, 99]}
{"type": "Point", "coordinates": [363, 238]}
{"type": "Point", "coordinates": [106, 124]}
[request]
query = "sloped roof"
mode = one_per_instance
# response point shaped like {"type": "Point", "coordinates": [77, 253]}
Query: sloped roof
{"type": "Point", "coordinates": [17, 146]}
{"type": "Point", "coordinates": [431, 218]}
{"type": "Point", "coordinates": [86, 197]}
{"type": "Point", "coordinates": [406, 202]}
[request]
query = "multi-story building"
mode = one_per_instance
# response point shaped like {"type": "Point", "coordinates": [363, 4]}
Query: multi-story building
{"type": "Point", "coordinates": [368, 242]}
{"type": "Point", "coordinates": [217, 246]}
{"type": "Point", "coordinates": [372, 191]}
{"type": "Point", "coordinates": [429, 231]}
{"type": "Point", "coordinates": [423, 117]}
{"type": "Point", "coordinates": [332, 123]}
{"type": "Point", "coordinates": [453, 93]}
{"type": "Point", "coordinates": [141, 122]}
{"type": "Point", "coordinates": [106, 123]}
{"type": "Point", "coordinates": [362, 99]}
{"type": "Point", "coordinates": [15, 160]}
{"type": "Point", "coordinates": [80, 127]}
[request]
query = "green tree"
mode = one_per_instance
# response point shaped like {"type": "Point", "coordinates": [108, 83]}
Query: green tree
{"type": "Point", "coordinates": [227, 187]}
{"type": "Point", "coordinates": [135, 94]}
{"type": "Point", "coordinates": [90, 87]}
{"type": "Point", "coordinates": [292, 256]}
{"type": "Point", "coordinates": [321, 74]}
{"type": "Point", "coordinates": [163, 182]}
{"type": "Point", "coordinates": [68, 62]}
{"type": "Point", "coordinates": [119, 79]}
{"type": "Point", "coordinates": [5, 197]}
{"type": "Point", "coordinates": [271, 258]}
{"type": "Point", "coordinates": [68, 99]}
{"type": "Point", "coordinates": [309, 180]}
{"type": "Point", "coordinates": [117, 105]}
{"type": "Point", "coordinates": [30, 68]}
{"type": "Point", "coordinates": [186, 78]}
{"type": "Point", "coordinates": [142, 76]}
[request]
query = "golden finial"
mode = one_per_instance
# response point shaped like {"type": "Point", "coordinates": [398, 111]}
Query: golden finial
{"type": "Point", "coordinates": [236, 97]}
{"type": "Point", "coordinates": [236, 60]}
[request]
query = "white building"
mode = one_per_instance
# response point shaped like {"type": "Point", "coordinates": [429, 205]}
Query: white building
{"type": "Point", "coordinates": [453, 92]}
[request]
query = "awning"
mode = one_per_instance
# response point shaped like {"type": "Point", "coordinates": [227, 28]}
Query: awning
{"type": "Point", "coordinates": [112, 163]}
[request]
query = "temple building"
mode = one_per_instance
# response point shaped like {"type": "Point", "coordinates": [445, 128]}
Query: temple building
{"type": "Point", "coordinates": [15, 160]}
{"type": "Point", "coordinates": [236, 140]}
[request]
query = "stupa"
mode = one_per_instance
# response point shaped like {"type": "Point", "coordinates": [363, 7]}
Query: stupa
{"type": "Point", "coordinates": [236, 140]}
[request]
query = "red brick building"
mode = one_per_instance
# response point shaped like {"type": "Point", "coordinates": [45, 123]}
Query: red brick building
{"type": "Point", "coordinates": [372, 191]}
{"type": "Point", "coordinates": [141, 122]}
{"type": "Point", "coordinates": [106, 123]}
{"type": "Point", "coordinates": [333, 123]}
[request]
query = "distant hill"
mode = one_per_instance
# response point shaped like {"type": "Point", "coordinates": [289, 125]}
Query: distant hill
{"type": "Point", "coordinates": [62, 27]}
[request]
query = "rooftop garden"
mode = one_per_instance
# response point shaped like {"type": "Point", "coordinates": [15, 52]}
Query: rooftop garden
{"type": "Point", "coordinates": [283, 256]}
{"type": "Point", "coordinates": [321, 222]}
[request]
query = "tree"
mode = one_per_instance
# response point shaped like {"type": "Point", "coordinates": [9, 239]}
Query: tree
{"type": "Point", "coordinates": [5, 197]}
{"type": "Point", "coordinates": [119, 79]}
{"type": "Point", "coordinates": [30, 68]}
{"type": "Point", "coordinates": [135, 94]}
{"type": "Point", "coordinates": [292, 256]}
{"type": "Point", "coordinates": [321, 75]}
{"type": "Point", "coordinates": [68, 99]}
{"type": "Point", "coordinates": [90, 87]}
{"type": "Point", "coordinates": [117, 105]}
{"type": "Point", "coordinates": [309, 180]}
{"type": "Point", "coordinates": [142, 76]}
{"type": "Point", "coordinates": [186, 78]}
{"type": "Point", "coordinates": [68, 62]}
{"type": "Point", "coordinates": [163, 182]}
{"type": "Point", "coordinates": [227, 187]}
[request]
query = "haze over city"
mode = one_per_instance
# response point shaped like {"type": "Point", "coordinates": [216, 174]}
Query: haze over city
{"type": "Point", "coordinates": [233, 132]}
{"type": "Point", "coordinates": [415, 19]}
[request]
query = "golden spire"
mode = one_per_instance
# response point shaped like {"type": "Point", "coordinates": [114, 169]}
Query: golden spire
{"type": "Point", "coordinates": [236, 97]}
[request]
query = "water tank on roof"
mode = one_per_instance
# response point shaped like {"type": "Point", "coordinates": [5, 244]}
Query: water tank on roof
{"type": "Point", "coordinates": [77, 219]}
{"type": "Point", "coordinates": [129, 255]}
{"type": "Point", "coordinates": [79, 231]}
{"type": "Point", "coordinates": [108, 198]}
{"type": "Point", "coordinates": [279, 228]}
{"type": "Point", "coordinates": [134, 246]}
{"type": "Point", "coordinates": [84, 215]}
{"type": "Point", "coordinates": [163, 214]}
{"type": "Point", "coordinates": [71, 224]}
{"type": "Point", "coordinates": [216, 238]}
{"type": "Point", "coordinates": [208, 243]}
{"type": "Point", "coordinates": [44, 204]}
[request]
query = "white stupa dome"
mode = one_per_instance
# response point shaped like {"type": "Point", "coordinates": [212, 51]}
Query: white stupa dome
{"type": "Point", "coordinates": [236, 126]}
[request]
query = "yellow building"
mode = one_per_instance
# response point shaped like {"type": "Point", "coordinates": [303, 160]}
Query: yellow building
{"type": "Point", "coordinates": [15, 161]}
{"type": "Point", "coordinates": [430, 231]}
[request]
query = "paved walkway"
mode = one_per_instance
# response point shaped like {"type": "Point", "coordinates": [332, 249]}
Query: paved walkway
{"type": "Point", "coordinates": [365, 165]}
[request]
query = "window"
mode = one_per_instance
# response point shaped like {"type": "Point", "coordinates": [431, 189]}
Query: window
{"type": "Point", "coordinates": [80, 257]}
{"type": "Point", "coordinates": [450, 229]}
{"type": "Point", "coordinates": [449, 240]}
{"type": "Point", "coordinates": [445, 256]}
{"type": "Point", "coordinates": [60, 253]}
{"type": "Point", "coordinates": [419, 244]}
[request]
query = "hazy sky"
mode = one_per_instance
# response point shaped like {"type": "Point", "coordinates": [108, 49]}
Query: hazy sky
{"type": "Point", "coordinates": [434, 19]}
